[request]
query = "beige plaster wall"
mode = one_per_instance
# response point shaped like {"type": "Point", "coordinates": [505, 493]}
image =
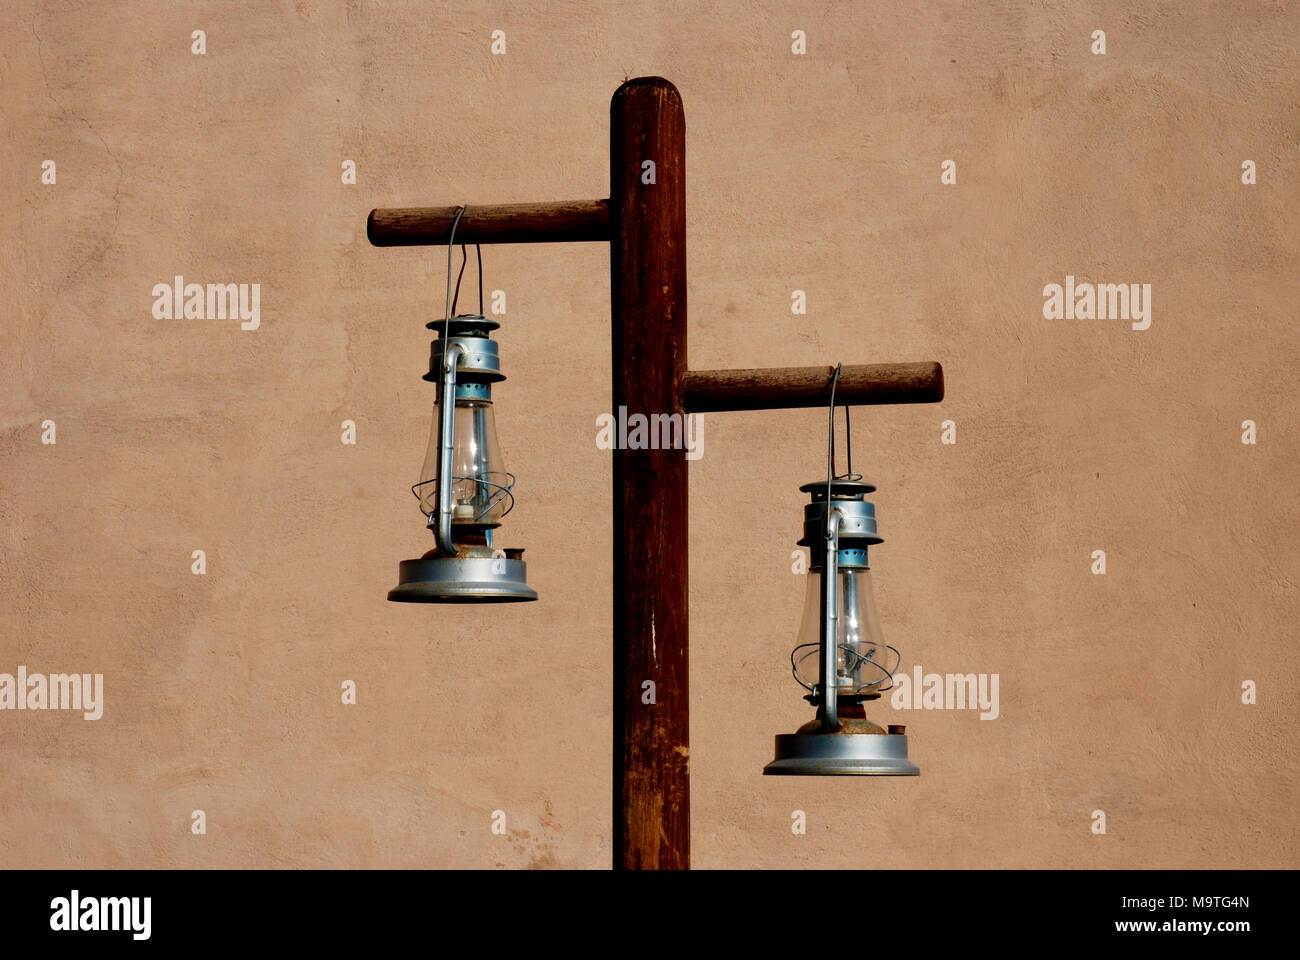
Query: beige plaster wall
{"type": "Point", "coordinates": [820, 172]}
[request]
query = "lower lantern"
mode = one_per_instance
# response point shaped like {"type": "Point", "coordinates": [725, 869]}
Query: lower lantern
{"type": "Point", "coordinates": [841, 630]}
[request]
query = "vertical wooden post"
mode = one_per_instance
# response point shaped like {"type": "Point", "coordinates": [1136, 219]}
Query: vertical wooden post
{"type": "Point", "coordinates": [648, 284]}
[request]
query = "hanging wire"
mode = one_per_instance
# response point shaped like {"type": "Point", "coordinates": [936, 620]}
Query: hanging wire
{"type": "Point", "coordinates": [464, 259]}
{"type": "Point", "coordinates": [830, 439]}
{"type": "Point", "coordinates": [848, 446]}
{"type": "Point", "coordinates": [451, 248]}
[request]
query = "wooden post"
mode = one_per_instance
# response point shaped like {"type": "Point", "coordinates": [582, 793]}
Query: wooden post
{"type": "Point", "coordinates": [644, 221]}
{"type": "Point", "coordinates": [648, 282]}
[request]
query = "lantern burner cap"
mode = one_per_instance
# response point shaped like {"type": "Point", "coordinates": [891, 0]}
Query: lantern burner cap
{"type": "Point", "coordinates": [464, 325]}
{"type": "Point", "coordinates": [848, 489]}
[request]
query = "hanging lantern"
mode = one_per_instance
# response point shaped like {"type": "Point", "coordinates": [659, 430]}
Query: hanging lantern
{"type": "Point", "coordinates": [463, 489]}
{"type": "Point", "coordinates": [840, 657]}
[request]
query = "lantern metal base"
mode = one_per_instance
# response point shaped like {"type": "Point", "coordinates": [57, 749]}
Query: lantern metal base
{"type": "Point", "coordinates": [462, 580]}
{"type": "Point", "coordinates": [841, 754]}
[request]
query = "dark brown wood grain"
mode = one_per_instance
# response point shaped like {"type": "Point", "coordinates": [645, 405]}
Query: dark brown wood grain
{"type": "Point", "coordinates": [564, 220]}
{"type": "Point", "coordinates": [705, 391]}
{"type": "Point", "coordinates": [648, 278]}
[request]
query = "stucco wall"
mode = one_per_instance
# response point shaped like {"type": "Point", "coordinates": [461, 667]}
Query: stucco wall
{"type": "Point", "coordinates": [818, 172]}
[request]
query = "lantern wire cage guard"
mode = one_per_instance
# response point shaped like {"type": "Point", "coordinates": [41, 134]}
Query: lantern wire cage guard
{"type": "Point", "coordinates": [855, 660]}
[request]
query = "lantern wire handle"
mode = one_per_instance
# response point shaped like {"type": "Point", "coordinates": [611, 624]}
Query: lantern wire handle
{"type": "Point", "coordinates": [848, 446]}
{"type": "Point", "coordinates": [464, 259]}
{"type": "Point", "coordinates": [830, 438]}
{"type": "Point", "coordinates": [451, 248]}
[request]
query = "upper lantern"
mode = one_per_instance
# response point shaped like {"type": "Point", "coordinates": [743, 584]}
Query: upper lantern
{"type": "Point", "coordinates": [464, 489]}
